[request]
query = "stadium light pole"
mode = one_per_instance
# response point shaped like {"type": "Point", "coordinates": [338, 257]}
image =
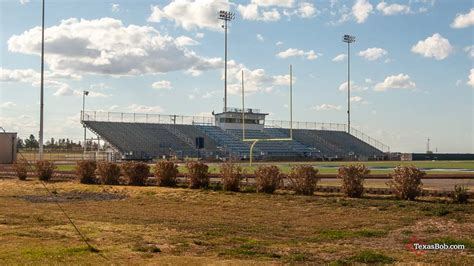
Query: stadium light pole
{"type": "Point", "coordinates": [225, 16]}
{"type": "Point", "coordinates": [348, 39]}
{"type": "Point", "coordinates": [42, 86]}
{"type": "Point", "coordinates": [84, 94]}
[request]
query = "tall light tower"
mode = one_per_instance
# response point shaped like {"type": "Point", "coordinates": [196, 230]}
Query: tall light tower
{"type": "Point", "coordinates": [348, 39]}
{"type": "Point", "coordinates": [225, 16]}
{"type": "Point", "coordinates": [42, 87]}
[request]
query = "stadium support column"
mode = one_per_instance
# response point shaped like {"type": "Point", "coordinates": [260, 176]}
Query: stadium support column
{"type": "Point", "coordinates": [349, 39]}
{"type": "Point", "coordinates": [42, 87]}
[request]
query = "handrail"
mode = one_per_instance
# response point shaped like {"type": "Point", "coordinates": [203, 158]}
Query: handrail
{"type": "Point", "coordinates": [366, 138]}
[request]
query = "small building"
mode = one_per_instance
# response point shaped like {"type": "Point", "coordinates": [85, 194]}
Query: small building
{"type": "Point", "coordinates": [7, 147]}
{"type": "Point", "coordinates": [232, 119]}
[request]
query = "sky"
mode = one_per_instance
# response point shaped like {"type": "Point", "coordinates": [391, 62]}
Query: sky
{"type": "Point", "coordinates": [412, 73]}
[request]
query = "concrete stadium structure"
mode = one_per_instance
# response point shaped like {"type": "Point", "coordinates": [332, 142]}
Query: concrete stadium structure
{"type": "Point", "coordinates": [147, 136]}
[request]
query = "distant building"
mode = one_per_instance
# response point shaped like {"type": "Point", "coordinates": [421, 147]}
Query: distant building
{"type": "Point", "coordinates": [7, 147]}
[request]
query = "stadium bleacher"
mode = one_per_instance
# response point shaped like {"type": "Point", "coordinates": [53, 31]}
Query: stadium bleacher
{"type": "Point", "coordinates": [152, 140]}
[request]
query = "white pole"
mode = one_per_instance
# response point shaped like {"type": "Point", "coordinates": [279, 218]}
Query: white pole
{"type": "Point", "coordinates": [243, 107]}
{"type": "Point", "coordinates": [291, 101]}
{"type": "Point", "coordinates": [42, 88]}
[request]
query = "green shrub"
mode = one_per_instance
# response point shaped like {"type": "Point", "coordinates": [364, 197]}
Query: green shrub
{"type": "Point", "coordinates": [197, 174]}
{"type": "Point", "coordinates": [231, 175]}
{"type": "Point", "coordinates": [166, 173]}
{"type": "Point", "coordinates": [267, 178]}
{"type": "Point", "coordinates": [406, 182]}
{"type": "Point", "coordinates": [85, 170]}
{"type": "Point", "coordinates": [352, 178]}
{"type": "Point", "coordinates": [21, 169]}
{"type": "Point", "coordinates": [136, 172]}
{"type": "Point", "coordinates": [109, 173]}
{"type": "Point", "coordinates": [44, 169]}
{"type": "Point", "coordinates": [303, 179]}
{"type": "Point", "coordinates": [460, 194]}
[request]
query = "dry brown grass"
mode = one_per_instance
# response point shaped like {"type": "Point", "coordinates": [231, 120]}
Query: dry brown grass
{"type": "Point", "coordinates": [203, 227]}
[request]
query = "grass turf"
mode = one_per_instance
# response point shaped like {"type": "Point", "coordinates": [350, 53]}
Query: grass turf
{"type": "Point", "coordinates": [156, 225]}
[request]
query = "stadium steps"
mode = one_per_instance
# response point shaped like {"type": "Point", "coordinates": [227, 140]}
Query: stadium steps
{"type": "Point", "coordinates": [230, 144]}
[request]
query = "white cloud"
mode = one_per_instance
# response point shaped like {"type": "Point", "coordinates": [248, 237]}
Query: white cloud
{"type": "Point", "coordinates": [106, 46]}
{"type": "Point", "coordinates": [7, 105]}
{"type": "Point", "coordinates": [306, 10]}
{"type": "Point", "coordinates": [267, 3]}
{"type": "Point", "coordinates": [356, 99]}
{"type": "Point", "coordinates": [115, 8]}
{"type": "Point", "coordinates": [278, 43]}
{"type": "Point", "coordinates": [199, 35]}
{"type": "Point", "coordinates": [372, 54]}
{"type": "Point", "coordinates": [185, 41]}
{"type": "Point", "coordinates": [400, 81]}
{"type": "Point", "coordinates": [354, 87]}
{"type": "Point", "coordinates": [162, 85]}
{"type": "Point", "coordinates": [24, 2]}
{"type": "Point", "coordinates": [292, 52]}
{"type": "Point", "coordinates": [469, 50]}
{"type": "Point", "coordinates": [137, 108]}
{"type": "Point", "coordinates": [191, 14]}
{"type": "Point", "coordinates": [470, 81]}
{"type": "Point", "coordinates": [253, 12]}
{"type": "Point", "coordinates": [256, 80]}
{"type": "Point", "coordinates": [339, 58]}
{"type": "Point", "coordinates": [326, 107]}
{"type": "Point", "coordinates": [260, 37]}
{"type": "Point", "coordinates": [361, 10]}
{"type": "Point", "coordinates": [435, 46]}
{"type": "Point", "coordinates": [368, 80]}
{"type": "Point", "coordinates": [393, 9]}
{"type": "Point", "coordinates": [463, 20]}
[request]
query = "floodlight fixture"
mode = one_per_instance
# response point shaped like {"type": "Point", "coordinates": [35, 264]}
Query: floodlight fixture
{"type": "Point", "coordinates": [225, 16]}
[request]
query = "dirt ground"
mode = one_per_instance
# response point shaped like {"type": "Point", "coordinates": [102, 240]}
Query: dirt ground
{"type": "Point", "coordinates": [153, 225]}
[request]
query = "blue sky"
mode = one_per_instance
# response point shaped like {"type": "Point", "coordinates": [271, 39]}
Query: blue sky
{"type": "Point", "coordinates": [412, 71]}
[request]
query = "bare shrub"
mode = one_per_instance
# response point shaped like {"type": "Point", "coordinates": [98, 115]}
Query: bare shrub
{"type": "Point", "coordinates": [109, 173]}
{"type": "Point", "coordinates": [44, 169]}
{"type": "Point", "coordinates": [85, 170]}
{"type": "Point", "coordinates": [406, 182]}
{"type": "Point", "coordinates": [231, 175]}
{"type": "Point", "coordinates": [21, 169]}
{"type": "Point", "coordinates": [352, 178]}
{"type": "Point", "coordinates": [267, 178]}
{"type": "Point", "coordinates": [460, 194]}
{"type": "Point", "coordinates": [303, 179]}
{"type": "Point", "coordinates": [136, 172]}
{"type": "Point", "coordinates": [166, 173]}
{"type": "Point", "coordinates": [198, 174]}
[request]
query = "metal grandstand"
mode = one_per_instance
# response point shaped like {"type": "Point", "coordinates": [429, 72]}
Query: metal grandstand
{"type": "Point", "coordinates": [147, 136]}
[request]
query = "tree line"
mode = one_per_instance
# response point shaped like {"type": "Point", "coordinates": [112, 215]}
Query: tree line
{"type": "Point", "coordinates": [31, 143]}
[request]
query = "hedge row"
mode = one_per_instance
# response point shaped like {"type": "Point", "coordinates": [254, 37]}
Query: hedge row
{"type": "Point", "coordinates": [302, 179]}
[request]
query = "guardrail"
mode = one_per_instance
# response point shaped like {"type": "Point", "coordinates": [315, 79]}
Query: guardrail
{"type": "Point", "coordinates": [145, 118]}
{"type": "Point", "coordinates": [306, 125]}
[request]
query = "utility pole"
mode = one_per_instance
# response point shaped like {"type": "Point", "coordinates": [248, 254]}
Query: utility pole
{"type": "Point", "coordinates": [348, 39]}
{"type": "Point", "coordinates": [225, 16]}
{"type": "Point", "coordinates": [42, 87]}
